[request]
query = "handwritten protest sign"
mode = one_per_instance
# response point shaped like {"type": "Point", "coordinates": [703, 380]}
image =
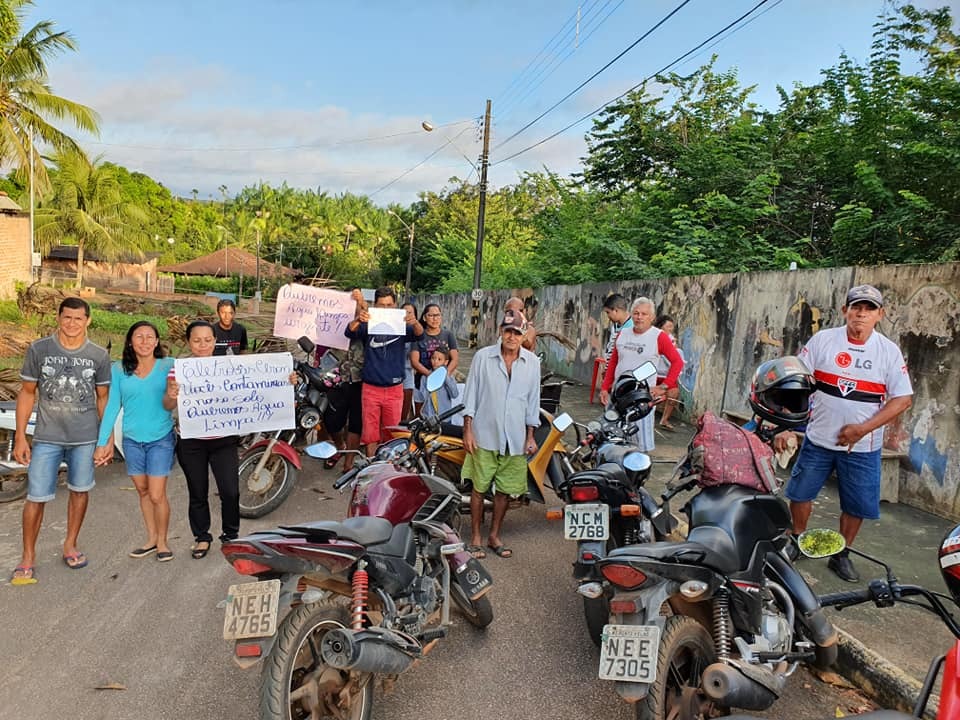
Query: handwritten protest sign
{"type": "Point", "coordinates": [321, 315]}
{"type": "Point", "coordinates": [234, 394]}
{"type": "Point", "coordinates": [387, 321]}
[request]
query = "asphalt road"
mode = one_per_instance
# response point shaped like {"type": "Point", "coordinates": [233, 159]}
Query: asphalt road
{"type": "Point", "coordinates": [153, 630]}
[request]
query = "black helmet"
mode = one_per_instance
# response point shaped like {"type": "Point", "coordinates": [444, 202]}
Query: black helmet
{"type": "Point", "coordinates": [950, 562]}
{"type": "Point", "coordinates": [780, 391]}
{"type": "Point", "coordinates": [631, 398]}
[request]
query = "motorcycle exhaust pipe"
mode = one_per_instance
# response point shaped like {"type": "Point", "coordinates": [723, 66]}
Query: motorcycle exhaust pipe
{"type": "Point", "coordinates": [364, 651]}
{"type": "Point", "coordinates": [728, 687]}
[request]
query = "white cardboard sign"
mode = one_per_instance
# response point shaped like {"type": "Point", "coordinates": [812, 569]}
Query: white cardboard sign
{"type": "Point", "coordinates": [321, 315]}
{"type": "Point", "coordinates": [234, 394]}
{"type": "Point", "coordinates": [387, 321]}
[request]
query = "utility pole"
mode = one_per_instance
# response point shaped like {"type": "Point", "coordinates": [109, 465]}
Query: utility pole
{"type": "Point", "coordinates": [477, 294]}
{"type": "Point", "coordinates": [410, 258]}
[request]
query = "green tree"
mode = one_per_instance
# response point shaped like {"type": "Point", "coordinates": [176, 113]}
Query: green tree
{"type": "Point", "coordinates": [86, 209]}
{"type": "Point", "coordinates": [28, 107]}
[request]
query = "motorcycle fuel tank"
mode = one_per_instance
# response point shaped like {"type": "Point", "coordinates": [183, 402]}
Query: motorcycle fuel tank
{"type": "Point", "coordinates": [383, 491]}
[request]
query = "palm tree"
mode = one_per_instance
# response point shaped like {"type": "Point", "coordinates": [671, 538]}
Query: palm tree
{"type": "Point", "coordinates": [26, 102]}
{"type": "Point", "coordinates": [86, 208]}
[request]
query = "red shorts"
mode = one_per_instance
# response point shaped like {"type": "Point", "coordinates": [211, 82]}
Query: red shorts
{"type": "Point", "coordinates": [381, 408]}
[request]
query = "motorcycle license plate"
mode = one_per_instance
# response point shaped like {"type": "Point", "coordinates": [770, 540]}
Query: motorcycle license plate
{"type": "Point", "coordinates": [473, 578]}
{"type": "Point", "coordinates": [251, 610]}
{"type": "Point", "coordinates": [586, 522]}
{"type": "Point", "coordinates": [629, 653]}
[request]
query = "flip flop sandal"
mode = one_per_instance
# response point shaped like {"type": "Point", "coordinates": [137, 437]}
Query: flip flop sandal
{"type": "Point", "coordinates": [198, 552]}
{"type": "Point", "coordinates": [75, 561]}
{"type": "Point", "coordinates": [331, 462]}
{"type": "Point", "coordinates": [476, 552]}
{"type": "Point", "coordinates": [501, 551]}
{"type": "Point", "coordinates": [28, 575]}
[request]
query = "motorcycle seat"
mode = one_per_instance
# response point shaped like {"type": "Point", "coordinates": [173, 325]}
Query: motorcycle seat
{"type": "Point", "coordinates": [688, 552]}
{"type": "Point", "coordinates": [363, 530]}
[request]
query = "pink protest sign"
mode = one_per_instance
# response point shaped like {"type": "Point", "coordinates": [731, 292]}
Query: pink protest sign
{"type": "Point", "coordinates": [321, 315]}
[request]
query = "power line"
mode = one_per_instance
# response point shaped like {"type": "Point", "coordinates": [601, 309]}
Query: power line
{"type": "Point", "coordinates": [639, 84]}
{"type": "Point", "coordinates": [351, 141]}
{"type": "Point", "coordinates": [502, 98]}
{"type": "Point", "coordinates": [542, 74]}
{"type": "Point", "coordinates": [410, 170]}
{"type": "Point", "coordinates": [566, 57]}
{"type": "Point", "coordinates": [611, 62]}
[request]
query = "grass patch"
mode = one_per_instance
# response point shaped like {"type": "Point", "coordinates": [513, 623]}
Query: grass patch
{"type": "Point", "coordinates": [106, 322]}
{"type": "Point", "coordinates": [9, 312]}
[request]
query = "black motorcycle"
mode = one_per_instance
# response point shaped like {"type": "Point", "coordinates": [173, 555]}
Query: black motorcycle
{"type": "Point", "coordinates": [606, 505]}
{"type": "Point", "coordinates": [718, 621]}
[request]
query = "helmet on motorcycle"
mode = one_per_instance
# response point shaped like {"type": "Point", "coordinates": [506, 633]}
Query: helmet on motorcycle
{"type": "Point", "coordinates": [631, 398]}
{"type": "Point", "coordinates": [780, 391]}
{"type": "Point", "coordinates": [949, 557]}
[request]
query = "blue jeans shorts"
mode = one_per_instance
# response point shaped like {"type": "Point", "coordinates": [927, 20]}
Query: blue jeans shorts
{"type": "Point", "coordinates": [45, 459]}
{"type": "Point", "coordinates": [858, 478]}
{"type": "Point", "coordinates": [154, 459]}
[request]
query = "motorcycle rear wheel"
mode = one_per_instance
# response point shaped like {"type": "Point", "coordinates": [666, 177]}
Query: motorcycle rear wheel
{"type": "Point", "coordinates": [265, 492]}
{"type": "Point", "coordinates": [686, 649]}
{"type": "Point", "coordinates": [479, 612]}
{"type": "Point", "coordinates": [296, 683]}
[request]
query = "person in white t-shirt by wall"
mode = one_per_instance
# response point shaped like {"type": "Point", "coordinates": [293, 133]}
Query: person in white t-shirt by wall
{"type": "Point", "coordinates": [861, 385]}
{"type": "Point", "coordinates": [635, 345]}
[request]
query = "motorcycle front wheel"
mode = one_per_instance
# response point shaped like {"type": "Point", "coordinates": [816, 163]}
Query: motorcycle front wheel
{"type": "Point", "coordinates": [13, 486]}
{"type": "Point", "coordinates": [479, 612]}
{"type": "Point", "coordinates": [297, 684]}
{"type": "Point", "coordinates": [686, 649]}
{"type": "Point", "coordinates": [264, 492]}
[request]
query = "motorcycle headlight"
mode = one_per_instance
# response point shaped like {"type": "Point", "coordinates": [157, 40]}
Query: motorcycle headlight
{"type": "Point", "coordinates": [391, 450]}
{"type": "Point", "coordinates": [309, 418]}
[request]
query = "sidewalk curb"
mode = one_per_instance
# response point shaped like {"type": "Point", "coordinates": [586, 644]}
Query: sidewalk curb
{"type": "Point", "coordinates": [881, 680]}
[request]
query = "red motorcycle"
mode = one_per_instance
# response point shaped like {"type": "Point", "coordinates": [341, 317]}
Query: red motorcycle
{"type": "Point", "coordinates": [359, 598]}
{"type": "Point", "coordinates": [886, 592]}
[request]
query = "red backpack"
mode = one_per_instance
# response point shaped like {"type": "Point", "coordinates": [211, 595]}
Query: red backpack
{"type": "Point", "coordinates": [725, 454]}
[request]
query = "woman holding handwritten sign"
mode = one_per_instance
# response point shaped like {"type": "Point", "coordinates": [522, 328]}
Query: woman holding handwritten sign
{"type": "Point", "coordinates": [197, 456]}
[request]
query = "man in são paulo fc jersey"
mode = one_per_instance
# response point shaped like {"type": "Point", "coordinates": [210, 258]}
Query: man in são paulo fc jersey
{"type": "Point", "coordinates": [862, 384]}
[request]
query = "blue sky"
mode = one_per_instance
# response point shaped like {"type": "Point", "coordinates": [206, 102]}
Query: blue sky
{"type": "Point", "coordinates": [330, 96]}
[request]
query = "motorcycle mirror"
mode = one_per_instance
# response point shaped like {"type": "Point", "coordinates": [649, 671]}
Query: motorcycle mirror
{"type": "Point", "coordinates": [611, 415]}
{"type": "Point", "coordinates": [306, 344]}
{"type": "Point", "coordinates": [322, 450]}
{"type": "Point", "coordinates": [820, 543]}
{"type": "Point", "coordinates": [436, 379]}
{"type": "Point", "coordinates": [562, 422]}
{"type": "Point", "coordinates": [644, 372]}
{"type": "Point", "coordinates": [636, 461]}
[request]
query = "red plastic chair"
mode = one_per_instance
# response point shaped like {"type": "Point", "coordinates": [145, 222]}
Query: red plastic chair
{"type": "Point", "coordinates": [599, 367]}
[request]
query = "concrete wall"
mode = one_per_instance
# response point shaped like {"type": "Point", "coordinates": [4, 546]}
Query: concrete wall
{"type": "Point", "coordinates": [728, 324]}
{"type": "Point", "coordinates": [15, 259]}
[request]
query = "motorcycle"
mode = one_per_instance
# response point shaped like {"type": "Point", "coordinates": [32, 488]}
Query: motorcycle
{"type": "Point", "coordinates": [739, 618]}
{"type": "Point", "coordinates": [606, 506]}
{"type": "Point", "coordinates": [269, 466]}
{"type": "Point", "coordinates": [356, 599]}
{"type": "Point", "coordinates": [886, 592]}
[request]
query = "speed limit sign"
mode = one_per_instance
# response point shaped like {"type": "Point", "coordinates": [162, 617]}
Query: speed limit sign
{"type": "Point", "coordinates": [477, 294]}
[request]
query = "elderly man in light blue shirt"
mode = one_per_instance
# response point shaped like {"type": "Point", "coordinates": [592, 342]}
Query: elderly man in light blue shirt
{"type": "Point", "coordinates": [501, 410]}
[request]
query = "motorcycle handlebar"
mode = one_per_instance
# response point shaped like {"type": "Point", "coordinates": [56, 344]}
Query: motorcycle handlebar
{"type": "Point", "coordinates": [345, 478]}
{"type": "Point", "coordinates": [846, 598]}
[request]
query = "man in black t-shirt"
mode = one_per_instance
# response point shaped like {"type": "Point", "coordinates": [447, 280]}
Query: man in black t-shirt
{"type": "Point", "coordinates": [231, 336]}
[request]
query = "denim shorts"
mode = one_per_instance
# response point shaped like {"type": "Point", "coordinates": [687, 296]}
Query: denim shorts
{"type": "Point", "coordinates": [858, 478]}
{"type": "Point", "coordinates": [45, 459]}
{"type": "Point", "coordinates": [154, 459]}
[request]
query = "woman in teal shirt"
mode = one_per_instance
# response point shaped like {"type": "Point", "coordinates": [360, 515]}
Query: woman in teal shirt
{"type": "Point", "coordinates": [137, 386]}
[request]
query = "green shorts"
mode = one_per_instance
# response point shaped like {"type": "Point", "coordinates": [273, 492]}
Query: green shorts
{"type": "Point", "coordinates": [507, 472]}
